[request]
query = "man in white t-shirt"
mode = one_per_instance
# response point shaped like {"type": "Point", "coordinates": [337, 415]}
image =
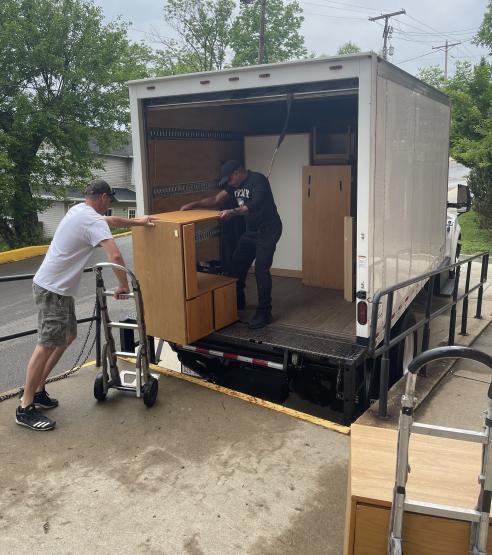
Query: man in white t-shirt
{"type": "Point", "coordinates": [55, 284]}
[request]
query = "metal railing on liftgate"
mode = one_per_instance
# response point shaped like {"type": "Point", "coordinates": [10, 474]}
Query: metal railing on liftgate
{"type": "Point", "coordinates": [381, 348]}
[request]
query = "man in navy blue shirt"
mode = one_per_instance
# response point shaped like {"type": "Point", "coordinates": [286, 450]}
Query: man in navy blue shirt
{"type": "Point", "coordinates": [256, 205]}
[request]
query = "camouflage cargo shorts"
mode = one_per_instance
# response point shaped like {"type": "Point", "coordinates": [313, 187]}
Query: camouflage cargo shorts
{"type": "Point", "coordinates": [56, 317]}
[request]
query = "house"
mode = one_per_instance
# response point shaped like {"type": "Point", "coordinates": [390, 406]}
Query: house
{"type": "Point", "coordinates": [117, 171]}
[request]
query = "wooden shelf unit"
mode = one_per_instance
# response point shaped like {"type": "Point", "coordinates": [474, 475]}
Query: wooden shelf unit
{"type": "Point", "coordinates": [181, 304]}
{"type": "Point", "coordinates": [443, 471]}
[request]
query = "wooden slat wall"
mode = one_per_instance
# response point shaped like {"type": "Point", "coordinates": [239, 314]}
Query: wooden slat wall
{"type": "Point", "coordinates": [175, 161]}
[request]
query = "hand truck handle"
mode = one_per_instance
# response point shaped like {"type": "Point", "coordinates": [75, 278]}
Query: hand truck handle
{"type": "Point", "coordinates": [100, 265]}
{"type": "Point", "coordinates": [440, 353]}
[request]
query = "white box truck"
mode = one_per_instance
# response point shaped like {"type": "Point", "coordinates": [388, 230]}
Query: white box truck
{"type": "Point", "coordinates": [360, 180]}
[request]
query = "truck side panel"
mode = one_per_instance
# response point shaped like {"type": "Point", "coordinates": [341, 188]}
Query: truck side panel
{"type": "Point", "coordinates": [412, 137]}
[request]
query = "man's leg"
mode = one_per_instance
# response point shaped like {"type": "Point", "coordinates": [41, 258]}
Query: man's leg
{"type": "Point", "coordinates": [35, 372]}
{"type": "Point", "coordinates": [265, 249]}
{"type": "Point", "coordinates": [241, 262]}
{"type": "Point", "coordinates": [51, 363]}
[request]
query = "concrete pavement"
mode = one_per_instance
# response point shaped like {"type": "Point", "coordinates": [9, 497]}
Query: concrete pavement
{"type": "Point", "coordinates": [200, 472]}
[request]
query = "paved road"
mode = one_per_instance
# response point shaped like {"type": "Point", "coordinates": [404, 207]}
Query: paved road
{"type": "Point", "coordinates": [18, 314]}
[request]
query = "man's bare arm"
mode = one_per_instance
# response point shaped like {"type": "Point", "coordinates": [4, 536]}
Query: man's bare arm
{"type": "Point", "coordinates": [114, 255]}
{"type": "Point", "coordinates": [116, 221]}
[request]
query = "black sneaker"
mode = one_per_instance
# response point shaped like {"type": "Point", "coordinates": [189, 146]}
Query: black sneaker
{"type": "Point", "coordinates": [43, 401]}
{"type": "Point", "coordinates": [31, 418]}
{"type": "Point", "coordinates": [260, 320]}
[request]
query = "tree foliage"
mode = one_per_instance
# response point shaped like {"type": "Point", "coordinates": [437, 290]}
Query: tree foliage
{"type": "Point", "coordinates": [203, 27]}
{"type": "Point", "coordinates": [433, 75]}
{"type": "Point", "coordinates": [62, 82]}
{"type": "Point", "coordinates": [348, 48]}
{"type": "Point", "coordinates": [283, 40]}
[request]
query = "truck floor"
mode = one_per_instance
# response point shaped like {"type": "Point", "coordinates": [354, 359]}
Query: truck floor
{"type": "Point", "coordinates": [306, 319]}
{"type": "Point", "coordinates": [200, 472]}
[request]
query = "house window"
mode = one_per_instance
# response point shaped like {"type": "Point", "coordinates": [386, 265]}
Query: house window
{"type": "Point", "coordinates": [109, 212]}
{"type": "Point", "coordinates": [131, 212]}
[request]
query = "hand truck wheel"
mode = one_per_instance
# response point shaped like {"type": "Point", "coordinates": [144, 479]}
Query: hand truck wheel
{"type": "Point", "coordinates": [149, 391]}
{"type": "Point", "coordinates": [99, 389]}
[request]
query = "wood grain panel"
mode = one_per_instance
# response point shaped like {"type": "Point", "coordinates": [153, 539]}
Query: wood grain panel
{"type": "Point", "coordinates": [199, 317]}
{"type": "Point", "coordinates": [189, 256]}
{"type": "Point", "coordinates": [422, 534]}
{"type": "Point", "coordinates": [225, 306]}
{"type": "Point", "coordinates": [325, 203]}
{"type": "Point", "coordinates": [158, 264]}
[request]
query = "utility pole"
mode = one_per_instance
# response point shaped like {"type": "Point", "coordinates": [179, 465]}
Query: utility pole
{"type": "Point", "coordinates": [446, 47]}
{"type": "Point", "coordinates": [387, 29]}
{"type": "Point", "coordinates": [261, 42]}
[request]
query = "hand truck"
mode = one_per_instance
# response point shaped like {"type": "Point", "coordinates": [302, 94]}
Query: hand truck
{"type": "Point", "coordinates": [478, 517]}
{"type": "Point", "coordinates": [144, 384]}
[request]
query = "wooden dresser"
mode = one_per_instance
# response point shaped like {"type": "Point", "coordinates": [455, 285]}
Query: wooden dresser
{"type": "Point", "coordinates": [181, 304]}
{"type": "Point", "coordinates": [442, 471]}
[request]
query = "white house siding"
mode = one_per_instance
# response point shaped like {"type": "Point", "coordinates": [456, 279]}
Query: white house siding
{"type": "Point", "coordinates": [120, 210]}
{"type": "Point", "coordinates": [117, 171]}
{"type": "Point", "coordinates": [51, 217]}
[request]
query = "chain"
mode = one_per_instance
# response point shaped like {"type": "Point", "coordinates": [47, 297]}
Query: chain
{"type": "Point", "coordinates": [76, 366]}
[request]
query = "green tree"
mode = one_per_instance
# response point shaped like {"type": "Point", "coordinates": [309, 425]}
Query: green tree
{"type": "Point", "coordinates": [470, 91]}
{"type": "Point", "coordinates": [484, 35]}
{"type": "Point", "coordinates": [283, 40]}
{"type": "Point", "coordinates": [348, 48]}
{"type": "Point", "coordinates": [62, 82]}
{"type": "Point", "coordinates": [203, 27]}
{"type": "Point", "coordinates": [432, 75]}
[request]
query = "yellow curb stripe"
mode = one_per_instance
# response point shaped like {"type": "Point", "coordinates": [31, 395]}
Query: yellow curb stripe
{"type": "Point", "coordinates": [255, 400]}
{"type": "Point", "coordinates": [22, 254]}
{"type": "Point", "coordinates": [124, 234]}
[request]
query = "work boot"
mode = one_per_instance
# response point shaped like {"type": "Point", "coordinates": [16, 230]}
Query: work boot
{"type": "Point", "coordinates": [260, 320]}
{"type": "Point", "coordinates": [241, 300]}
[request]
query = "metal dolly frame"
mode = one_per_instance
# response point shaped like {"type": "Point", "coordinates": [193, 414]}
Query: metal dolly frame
{"type": "Point", "coordinates": [478, 517]}
{"type": "Point", "coordinates": [145, 384]}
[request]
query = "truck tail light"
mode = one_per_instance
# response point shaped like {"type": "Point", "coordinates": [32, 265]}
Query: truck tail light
{"type": "Point", "coordinates": [362, 313]}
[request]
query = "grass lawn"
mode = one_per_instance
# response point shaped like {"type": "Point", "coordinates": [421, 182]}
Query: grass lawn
{"type": "Point", "coordinates": [473, 238]}
{"type": "Point", "coordinates": [3, 246]}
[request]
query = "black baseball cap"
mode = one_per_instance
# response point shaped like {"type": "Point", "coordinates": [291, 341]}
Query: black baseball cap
{"type": "Point", "coordinates": [227, 169]}
{"type": "Point", "coordinates": [99, 187]}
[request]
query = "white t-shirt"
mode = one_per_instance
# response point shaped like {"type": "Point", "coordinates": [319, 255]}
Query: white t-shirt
{"type": "Point", "coordinates": [79, 232]}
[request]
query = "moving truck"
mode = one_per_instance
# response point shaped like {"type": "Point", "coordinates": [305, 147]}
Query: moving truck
{"type": "Point", "coordinates": [357, 155]}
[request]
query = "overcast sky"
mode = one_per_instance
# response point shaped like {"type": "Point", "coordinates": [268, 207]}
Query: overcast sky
{"type": "Point", "coordinates": [329, 24]}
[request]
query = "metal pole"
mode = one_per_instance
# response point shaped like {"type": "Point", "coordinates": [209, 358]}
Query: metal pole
{"type": "Point", "coordinates": [384, 377]}
{"type": "Point", "coordinates": [452, 319]}
{"type": "Point", "coordinates": [98, 333]}
{"type": "Point", "coordinates": [261, 42]}
{"type": "Point", "coordinates": [464, 315]}
{"type": "Point", "coordinates": [483, 279]}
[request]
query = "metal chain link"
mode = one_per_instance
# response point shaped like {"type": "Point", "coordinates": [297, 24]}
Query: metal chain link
{"type": "Point", "coordinates": [76, 366]}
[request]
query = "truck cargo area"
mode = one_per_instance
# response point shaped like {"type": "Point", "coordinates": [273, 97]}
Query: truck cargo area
{"type": "Point", "coordinates": [313, 179]}
{"type": "Point", "coordinates": [309, 320]}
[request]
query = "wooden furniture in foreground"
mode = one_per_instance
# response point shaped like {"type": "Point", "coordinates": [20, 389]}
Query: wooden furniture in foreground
{"type": "Point", "coordinates": [181, 304]}
{"type": "Point", "coordinates": [443, 471]}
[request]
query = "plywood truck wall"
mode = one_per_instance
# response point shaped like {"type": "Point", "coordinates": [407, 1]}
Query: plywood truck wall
{"type": "Point", "coordinates": [286, 183]}
{"type": "Point", "coordinates": [185, 150]}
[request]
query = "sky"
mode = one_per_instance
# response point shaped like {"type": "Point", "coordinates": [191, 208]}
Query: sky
{"type": "Point", "coordinates": [329, 24]}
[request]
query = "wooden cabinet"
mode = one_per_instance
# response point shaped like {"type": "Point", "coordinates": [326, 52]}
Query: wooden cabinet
{"type": "Point", "coordinates": [443, 471]}
{"type": "Point", "coordinates": [325, 204]}
{"type": "Point", "coordinates": [181, 304]}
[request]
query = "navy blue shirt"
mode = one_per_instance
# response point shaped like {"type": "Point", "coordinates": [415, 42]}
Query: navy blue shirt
{"type": "Point", "coordinates": [255, 192]}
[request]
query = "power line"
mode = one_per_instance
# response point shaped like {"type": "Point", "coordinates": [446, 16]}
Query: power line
{"type": "Point", "coordinates": [387, 29]}
{"type": "Point", "coordinates": [446, 47]}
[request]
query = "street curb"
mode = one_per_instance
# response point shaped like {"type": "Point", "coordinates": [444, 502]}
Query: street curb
{"type": "Point", "coordinates": [30, 252]}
